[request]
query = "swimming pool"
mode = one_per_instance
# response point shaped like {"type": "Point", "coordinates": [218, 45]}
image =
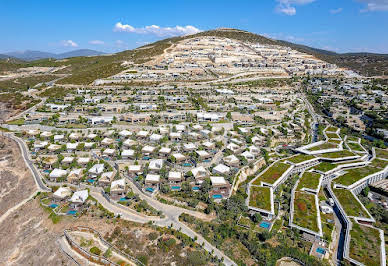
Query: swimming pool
{"type": "Point", "coordinates": [91, 181]}
{"type": "Point", "coordinates": [206, 161]}
{"type": "Point", "coordinates": [265, 225]}
{"type": "Point", "coordinates": [72, 212]}
{"type": "Point", "coordinates": [53, 205]}
{"type": "Point", "coordinates": [176, 187]}
{"type": "Point", "coordinates": [195, 188]}
{"type": "Point", "coordinates": [46, 171]}
{"type": "Point", "coordinates": [217, 196]}
{"type": "Point", "coordinates": [321, 251]}
{"type": "Point", "coordinates": [187, 164]}
{"type": "Point", "coordinates": [149, 189]}
{"type": "Point", "coordinates": [146, 158]}
{"type": "Point", "coordinates": [123, 199]}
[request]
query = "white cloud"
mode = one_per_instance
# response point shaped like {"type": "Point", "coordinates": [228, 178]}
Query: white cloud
{"type": "Point", "coordinates": [69, 43]}
{"type": "Point", "coordinates": [157, 30]}
{"type": "Point", "coordinates": [96, 42]}
{"type": "Point", "coordinates": [336, 11]}
{"type": "Point", "coordinates": [375, 5]}
{"type": "Point", "coordinates": [287, 7]}
{"type": "Point", "coordinates": [283, 36]}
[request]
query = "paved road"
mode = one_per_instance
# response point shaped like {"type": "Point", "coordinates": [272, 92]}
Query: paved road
{"type": "Point", "coordinates": [25, 154]}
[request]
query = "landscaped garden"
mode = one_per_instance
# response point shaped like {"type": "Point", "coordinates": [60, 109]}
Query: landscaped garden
{"type": "Point", "coordinates": [300, 158]}
{"type": "Point", "coordinates": [364, 244]}
{"type": "Point", "coordinates": [260, 197]}
{"type": "Point", "coordinates": [309, 180]}
{"type": "Point", "coordinates": [305, 211]}
{"type": "Point", "coordinates": [349, 203]}
{"type": "Point", "coordinates": [355, 174]}
{"type": "Point", "coordinates": [378, 163]}
{"type": "Point", "coordinates": [272, 173]}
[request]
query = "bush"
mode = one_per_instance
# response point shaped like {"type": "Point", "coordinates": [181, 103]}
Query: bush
{"type": "Point", "coordinates": [95, 250]}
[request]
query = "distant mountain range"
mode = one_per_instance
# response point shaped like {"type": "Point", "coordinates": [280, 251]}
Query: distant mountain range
{"type": "Point", "coordinates": [30, 55]}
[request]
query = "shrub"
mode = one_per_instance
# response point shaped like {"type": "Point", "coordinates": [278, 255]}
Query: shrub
{"type": "Point", "coordinates": [95, 250]}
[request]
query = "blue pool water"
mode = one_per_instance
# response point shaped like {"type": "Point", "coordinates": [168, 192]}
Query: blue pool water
{"type": "Point", "coordinates": [53, 205]}
{"type": "Point", "coordinates": [149, 189]}
{"type": "Point", "coordinates": [187, 164]}
{"type": "Point", "coordinates": [123, 199]}
{"type": "Point", "coordinates": [91, 180]}
{"type": "Point", "coordinates": [195, 188]}
{"type": "Point", "coordinates": [265, 225]}
{"type": "Point", "coordinates": [175, 187]}
{"type": "Point", "coordinates": [46, 171]}
{"type": "Point", "coordinates": [146, 158]}
{"type": "Point", "coordinates": [72, 212]}
{"type": "Point", "coordinates": [217, 196]}
{"type": "Point", "coordinates": [321, 251]}
{"type": "Point", "coordinates": [206, 161]}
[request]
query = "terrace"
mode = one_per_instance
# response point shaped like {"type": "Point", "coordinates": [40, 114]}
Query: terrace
{"type": "Point", "coordinates": [338, 154]}
{"type": "Point", "coordinates": [355, 174]}
{"type": "Point", "coordinates": [350, 204]}
{"type": "Point", "coordinates": [378, 163]}
{"type": "Point", "coordinates": [272, 174]}
{"type": "Point", "coordinates": [332, 129]}
{"type": "Point", "coordinates": [324, 146]}
{"type": "Point", "coordinates": [355, 146]}
{"type": "Point", "coordinates": [309, 180]}
{"type": "Point", "coordinates": [305, 211]}
{"type": "Point", "coordinates": [260, 197]}
{"type": "Point", "coordinates": [380, 153]}
{"type": "Point", "coordinates": [365, 244]}
{"type": "Point", "coordinates": [324, 167]}
{"type": "Point", "coordinates": [333, 136]}
{"type": "Point", "coordinates": [300, 158]}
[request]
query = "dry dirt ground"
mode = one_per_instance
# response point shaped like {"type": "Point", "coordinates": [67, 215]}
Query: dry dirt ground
{"type": "Point", "coordinates": [16, 182]}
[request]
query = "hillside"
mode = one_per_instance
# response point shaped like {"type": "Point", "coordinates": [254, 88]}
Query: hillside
{"type": "Point", "coordinates": [85, 70]}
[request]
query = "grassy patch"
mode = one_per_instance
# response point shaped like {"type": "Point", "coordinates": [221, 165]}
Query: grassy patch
{"type": "Point", "coordinates": [381, 153]}
{"type": "Point", "coordinates": [17, 122]}
{"type": "Point", "coordinates": [300, 158]}
{"type": "Point", "coordinates": [332, 136]}
{"type": "Point", "coordinates": [21, 84]}
{"type": "Point", "coordinates": [260, 197]}
{"type": "Point", "coordinates": [273, 173]}
{"type": "Point", "coordinates": [324, 146]}
{"type": "Point", "coordinates": [364, 244]}
{"type": "Point", "coordinates": [354, 146]}
{"type": "Point", "coordinates": [305, 211]}
{"type": "Point", "coordinates": [324, 167]}
{"type": "Point", "coordinates": [355, 174]}
{"type": "Point", "coordinates": [349, 203]}
{"type": "Point", "coordinates": [309, 180]}
{"type": "Point", "coordinates": [338, 154]}
{"type": "Point", "coordinates": [378, 163]}
{"type": "Point", "coordinates": [334, 141]}
{"type": "Point", "coordinates": [332, 129]}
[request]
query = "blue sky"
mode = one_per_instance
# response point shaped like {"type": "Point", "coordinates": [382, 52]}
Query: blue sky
{"type": "Point", "coordinates": [59, 26]}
